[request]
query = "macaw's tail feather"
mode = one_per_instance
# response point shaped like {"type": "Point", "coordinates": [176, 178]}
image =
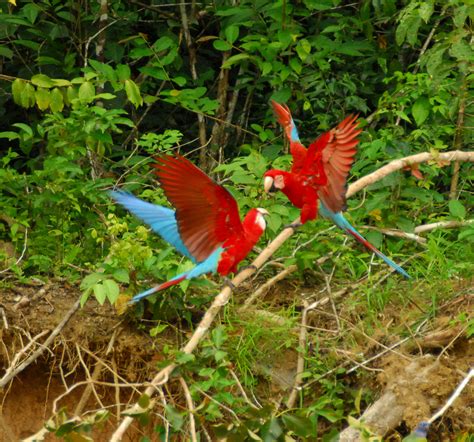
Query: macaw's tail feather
{"type": "Point", "coordinates": [343, 224]}
{"type": "Point", "coordinates": [157, 288]}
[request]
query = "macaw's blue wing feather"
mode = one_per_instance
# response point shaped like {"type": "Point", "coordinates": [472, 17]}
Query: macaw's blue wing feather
{"type": "Point", "coordinates": [209, 265]}
{"type": "Point", "coordinates": [294, 131]}
{"type": "Point", "coordinates": [342, 223]}
{"type": "Point", "coordinates": [161, 219]}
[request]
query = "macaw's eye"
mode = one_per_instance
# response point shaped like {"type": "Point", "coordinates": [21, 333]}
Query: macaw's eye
{"type": "Point", "coordinates": [279, 182]}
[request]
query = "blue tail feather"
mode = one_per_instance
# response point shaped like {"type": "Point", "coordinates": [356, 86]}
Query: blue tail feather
{"type": "Point", "coordinates": [209, 265]}
{"type": "Point", "coordinates": [342, 223]}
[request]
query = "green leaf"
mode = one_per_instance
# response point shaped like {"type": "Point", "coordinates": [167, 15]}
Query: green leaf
{"type": "Point", "coordinates": [18, 86]}
{"type": "Point", "coordinates": [234, 59]}
{"type": "Point", "coordinates": [301, 426]}
{"type": "Point", "coordinates": [123, 72]}
{"type": "Point", "coordinates": [25, 128]}
{"type": "Point", "coordinates": [160, 328]}
{"type": "Point", "coordinates": [9, 135]}
{"type": "Point", "coordinates": [59, 82]}
{"type": "Point", "coordinates": [231, 33]}
{"type": "Point", "coordinates": [121, 275]}
{"type": "Point", "coordinates": [57, 101]}
{"type": "Point", "coordinates": [89, 281]}
{"type": "Point", "coordinates": [221, 45]}
{"type": "Point", "coordinates": [100, 293]}
{"type": "Point", "coordinates": [133, 93]}
{"type": "Point", "coordinates": [6, 52]}
{"type": "Point", "coordinates": [266, 68]}
{"type": "Point", "coordinates": [420, 110]}
{"type": "Point", "coordinates": [144, 401]}
{"type": "Point", "coordinates": [42, 80]}
{"type": "Point", "coordinates": [296, 65]}
{"type": "Point", "coordinates": [285, 38]}
{"type": "Point", "coordinates": [43, 98]}
{"type": "Point", "coordinates": [71, 93]}
{"type": "Point", "coordinates": [374, 238]}
{"type": "Point", "coordinates": [28, 96]}
{"type": "Point", "coordinates": [303, 49]}
{"type": "Point", "coordinates": [271, 431]}
{"type": "Point", "coordinates": [457, 209]}
{"type": "Point", "coordinates": [86, 91]}
{"type": "Point", "coordinates": [31, 11]}
{"type": "Point", "coordinates": [425, 11]}
{"type": "Point", "coordinates": [175, 418]}
{"type": "Point", "coordinates": [112, 290]}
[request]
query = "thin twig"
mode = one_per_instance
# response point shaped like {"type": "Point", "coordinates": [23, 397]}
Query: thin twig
{"type": "Point", "coordinates": [453, 397]}
{"type": "Point", "coordinates": [11, 373]}
{"type": "Point", "coordinates": [21, 256]}
{"type": "Point", "coordinates": [223, 297]}
{"type": "Point", "coordinates": [191, 408]}
{"type": "Point", "coordinates": [242, 391]}
{"type": "Point", "coordinates": [192, 62]}
{"type": "Point", "coordinates": [295, 391]}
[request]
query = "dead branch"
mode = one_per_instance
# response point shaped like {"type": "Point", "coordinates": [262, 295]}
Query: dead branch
{"type": "Point", "coordinates": [219, 301]}
{"type": "Point", "coordinates": [453, 397]}
{"type": "Point", "coordinates": [442, 225]}
{"type": "Point", "coordinates": [223, 297]}
{"type": "Point", "coordinates": [265, 287]}
{"type": "Point", "coordinates": [393, 166]}
{"type": "Point", "coordinates": [458, 139]}
{"type": "Point", "coordinates": [13, 371]}
{"type": "Point", "coordinates": [190, 404]}
{"type": "Point", "coordinates": [192, 61]}
{"type": "Point", "coordinates": [421, 229]}
{"type": "Point", "coordinates": [301, 357]}
{"type": "Point", "coordinates": [398, 234]}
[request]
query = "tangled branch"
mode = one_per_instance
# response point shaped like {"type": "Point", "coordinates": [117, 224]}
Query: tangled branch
{"type": "Point", "coordinates": [223, 297]}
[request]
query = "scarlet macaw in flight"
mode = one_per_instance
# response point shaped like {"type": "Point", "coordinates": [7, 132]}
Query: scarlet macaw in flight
{"type": "Point", "coordinates": [320, 172]}
{"type": "Point", "coordinates": [206, 225]}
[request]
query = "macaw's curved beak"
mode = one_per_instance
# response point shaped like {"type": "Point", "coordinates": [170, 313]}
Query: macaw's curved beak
{"type": "Point", "coordinates": [263, 212]}
{"type": "Point", "coordinates": [268, 185]}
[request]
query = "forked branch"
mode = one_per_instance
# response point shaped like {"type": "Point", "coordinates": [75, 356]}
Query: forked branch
{"type": "Point", "coordinates": [223, 297]}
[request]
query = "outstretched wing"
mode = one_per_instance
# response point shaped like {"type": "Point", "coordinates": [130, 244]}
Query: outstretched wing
{"type": "Point", "coordinates": [297, 150]}
{"type": "Point", "coordinates": [161, 219]}
{"type": "Point", "coordinates": [338, 157]}
{"type": "Point", "coordinates": [313, 164]}
{"type": "Point", "coordinates": [207, 214]}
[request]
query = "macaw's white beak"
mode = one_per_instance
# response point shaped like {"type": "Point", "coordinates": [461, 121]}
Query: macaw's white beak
{"type": "Point", "coordinates": [268, 184]}
{"type": "Point", "coordinates": [263, 211]}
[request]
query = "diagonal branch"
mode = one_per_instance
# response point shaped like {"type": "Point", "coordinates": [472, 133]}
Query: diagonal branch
{"type": "Point", "coordinates": [224, 296]}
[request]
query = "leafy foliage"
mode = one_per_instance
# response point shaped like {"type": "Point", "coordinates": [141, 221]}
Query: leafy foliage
{"type": "Point", "coordinates": [86, 104]}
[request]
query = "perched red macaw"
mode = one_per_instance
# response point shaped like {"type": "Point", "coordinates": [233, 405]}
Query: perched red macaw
{"type": "Point", "coordinates": [320, 172]}
{"type": "Point", "coordinates": [206, 225]}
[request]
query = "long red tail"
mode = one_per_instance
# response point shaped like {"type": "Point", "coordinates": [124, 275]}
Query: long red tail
{"type": "Point", "coordinates": [157, 288]}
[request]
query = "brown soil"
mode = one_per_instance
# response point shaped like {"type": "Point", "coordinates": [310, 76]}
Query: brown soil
{"type": "Point", "coordinates": [97, 333]}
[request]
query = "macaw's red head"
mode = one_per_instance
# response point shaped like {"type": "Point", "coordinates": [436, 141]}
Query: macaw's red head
{"type": "Point", "coordinates": [274, 180]}
{"type": "Point", "coordinates": [255, 220]}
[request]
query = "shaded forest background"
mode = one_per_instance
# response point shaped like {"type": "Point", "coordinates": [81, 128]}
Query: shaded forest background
{"type": "Point", "coordinates": [90, 91]}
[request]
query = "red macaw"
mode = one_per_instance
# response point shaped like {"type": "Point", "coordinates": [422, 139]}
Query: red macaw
{"type": "Point", "coordinates": [206, 225]}
{"type": "Point", "coordinates": [320, 172]}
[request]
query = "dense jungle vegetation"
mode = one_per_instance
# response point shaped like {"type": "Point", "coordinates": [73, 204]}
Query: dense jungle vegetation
{"type": "Point", "coordinates": [91, 91]}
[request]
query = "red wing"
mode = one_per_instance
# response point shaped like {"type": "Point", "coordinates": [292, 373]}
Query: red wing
{"type": "Point", "coordinates": [206, 213]}
{"type": "Point", "coordinates": [297, 150]}
{"type": "Point", "coordinates": [313, 163]}
{"type": "Point", "coordinates": [338, 157]}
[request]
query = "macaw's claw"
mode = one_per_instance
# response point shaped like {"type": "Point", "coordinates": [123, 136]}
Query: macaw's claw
{"type": "Point", "coordinates": [229, 283]}
{"type": "Point", "coordinates": [293, 226]}
{"type": "Point", "coordinates": [250, 266]}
